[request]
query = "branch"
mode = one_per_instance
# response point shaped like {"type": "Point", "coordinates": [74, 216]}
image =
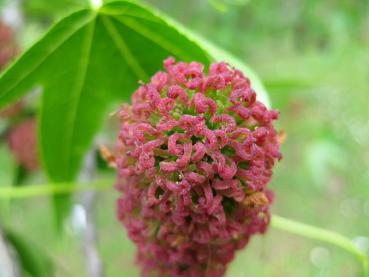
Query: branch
{"type": "Point", "coordinates": [53, 189]}
{"type": "Point", "coordinates": [316, 233]}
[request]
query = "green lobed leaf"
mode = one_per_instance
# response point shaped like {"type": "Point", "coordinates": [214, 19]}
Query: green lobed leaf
{"type": "Point", "coordinates": [88, 61]}
{"type": "Point", "coordinates": [47, 8]}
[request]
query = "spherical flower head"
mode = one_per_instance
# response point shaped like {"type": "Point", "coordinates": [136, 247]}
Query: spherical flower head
{"type": "Point", "coordinates": [8, 49]}
{"type": "Point", "coordinates": [195, 154]}
{"type": "Point", "coordinates": [22, 141]}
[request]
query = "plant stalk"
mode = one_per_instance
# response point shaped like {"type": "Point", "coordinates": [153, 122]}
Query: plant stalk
{"type": "Point", "coordinates": [316, 233]}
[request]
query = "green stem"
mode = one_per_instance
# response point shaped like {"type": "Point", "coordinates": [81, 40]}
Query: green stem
{"type": "Point", "coordinates": [312, 232]}
{"type": "Point", "coordinates": [278, 222]}
{"type": "Point", "coordinates": [53, 189]}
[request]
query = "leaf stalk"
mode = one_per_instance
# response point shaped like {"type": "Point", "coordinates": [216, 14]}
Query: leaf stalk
{"type": "Point", "coordinates": [312, 232]}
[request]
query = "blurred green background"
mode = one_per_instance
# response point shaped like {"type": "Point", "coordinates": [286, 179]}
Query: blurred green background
{"type": "Point", "coordinates": [313, 58]}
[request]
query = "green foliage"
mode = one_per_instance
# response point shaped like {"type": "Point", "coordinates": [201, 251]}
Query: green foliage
{"type": "Point", "coordinates": [86, 62]}
{"type": "Point", "coordinates": [223, 5]}
{"type": "Point", "coordinates": [50, 9]}
{"type": "Point", "coordinates": [33, 261]}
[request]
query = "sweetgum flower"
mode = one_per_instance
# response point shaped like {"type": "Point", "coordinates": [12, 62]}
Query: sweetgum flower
{"type": "Point", "coordinates": [195, 154]}
{"type": "Point", "coordinates": [22, 141]}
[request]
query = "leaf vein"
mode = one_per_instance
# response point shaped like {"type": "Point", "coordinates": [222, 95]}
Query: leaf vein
{"type": "Point", "coordinates": [154, 37]}
{"type": "Point", "coordinates": [124, 49]}
{"type": "Point", "coordinates": [80, 82]}
{"type": "Point", "coordinates": [39, 63]}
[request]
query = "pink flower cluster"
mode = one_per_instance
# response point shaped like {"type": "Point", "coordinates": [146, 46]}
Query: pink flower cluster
{"type": "Point", "coordinates": [195, 154]}
{"type": "Point", "coordinates": [8, 48]}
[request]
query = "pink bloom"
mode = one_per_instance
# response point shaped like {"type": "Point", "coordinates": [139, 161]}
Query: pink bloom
{"type": "Point", "coordinates": [195, 155]}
